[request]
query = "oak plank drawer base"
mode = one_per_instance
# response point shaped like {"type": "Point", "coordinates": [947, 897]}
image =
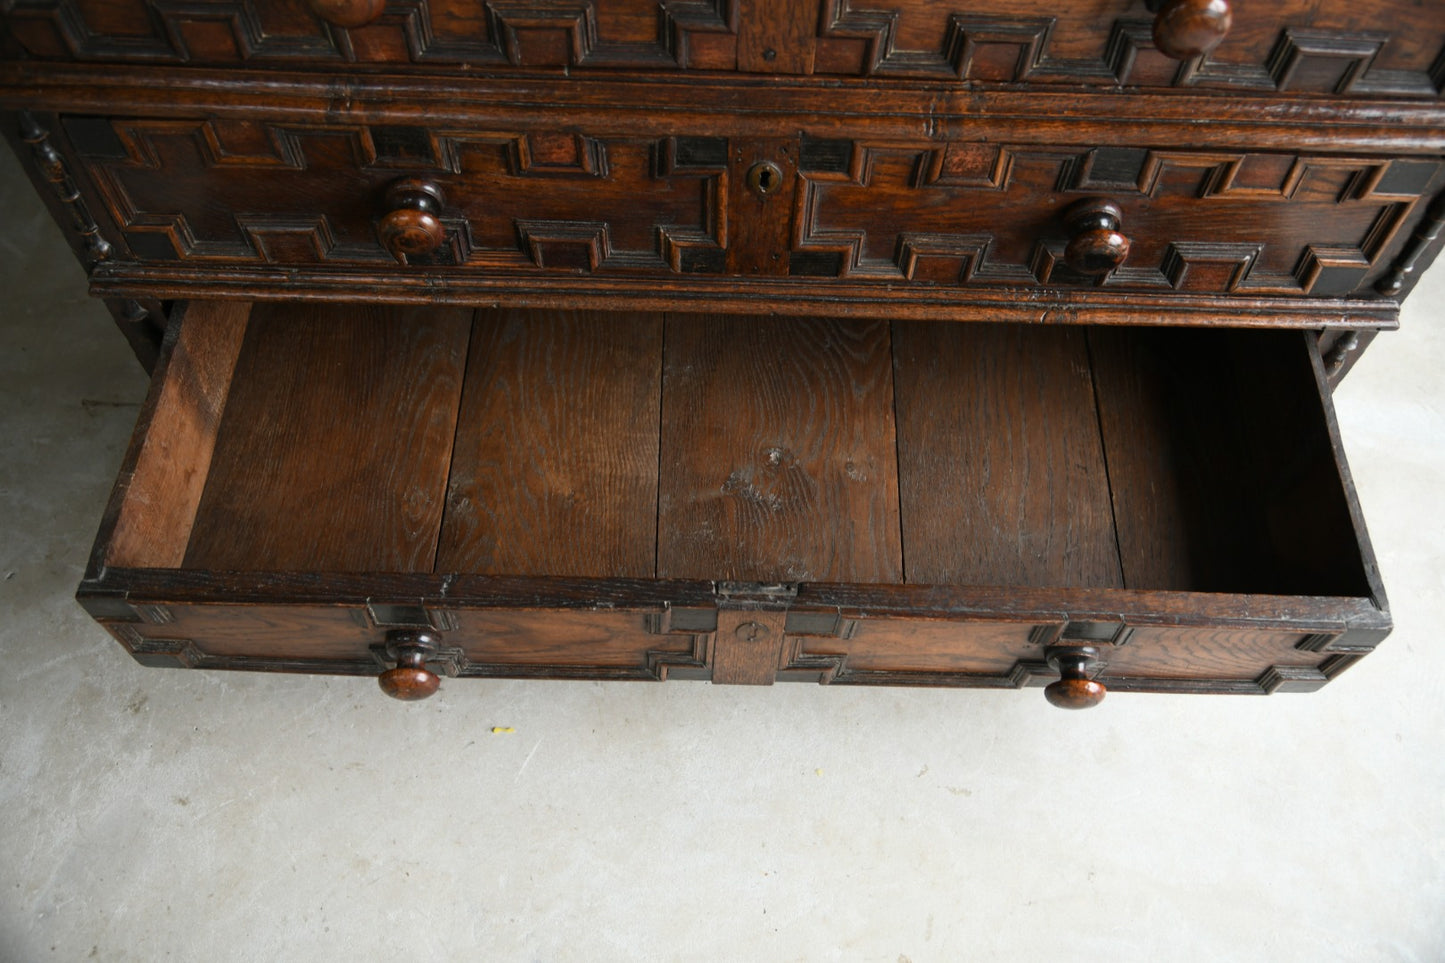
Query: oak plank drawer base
{"type": "Point", "coordinates": [553, 494]}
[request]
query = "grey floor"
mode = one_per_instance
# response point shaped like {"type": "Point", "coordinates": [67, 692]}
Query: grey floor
{"type": "Point", "coordinates": [166, 815]}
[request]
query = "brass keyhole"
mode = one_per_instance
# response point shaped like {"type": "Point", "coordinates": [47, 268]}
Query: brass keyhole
{"type": "Point", "coordinates": [750, 631]}
{"type": "Point", "coordinates": [764, 178]}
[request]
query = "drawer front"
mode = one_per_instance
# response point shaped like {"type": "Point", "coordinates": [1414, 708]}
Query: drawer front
{"type": "Point", "coordinates": [1383, 48]}
{"type": "Point", "coordinates": [508, 201]}
{"type": "Point", "coordinates": [730, 643]}
{"type": "Point", "coordinates": [516, 211]}
{"type": "Point", "coordinates": [430, 34]}
{"type": "Point", "coordinates": [1124, 657]}
{"type": "Point", "coordinates": [351, 639]}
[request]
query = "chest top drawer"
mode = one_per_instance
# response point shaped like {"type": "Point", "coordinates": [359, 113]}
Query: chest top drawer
{"type": "Point", "coordinates": [1344, 47]}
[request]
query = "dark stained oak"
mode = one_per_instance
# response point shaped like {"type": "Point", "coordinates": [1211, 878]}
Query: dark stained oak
{"type": "Point", "coordinates": [1340, 47]}
{"type": "Point", "coordinates": [776, 373]}
{"type": "Point", "coordinates": [630, 190]}
{"type": "Point", "coordinates": [1222, 472]}
{"type": "Point", "coordinates": [347, 13]}
{"type": "Point", "coordinates": [409, 682]}
{"type": "Point", "coordinates": [994, 651]}
{"type": "Point", "coordinates": [912, 630]}
{"type": "Point", "coordinates": [1189, 28]}
{"type": "Point", "coordinates": [1096, 245]}
{"type": "Point", "coordinates": [707, 105]}
{"type": "Point", "coordinates": [1179, 653]}
{"type": "Point", "coordinates": [410, 679]}
{"type": "Point", "coordinates": [1074, 693]}
{"type": "Point", "coordinates": [1419, 246]}
{"type": "Point", "coordinates": [977, 407]}
{"type": "Point", "coordinates": [1074, 689]}
{"type": "Point", "coordinates": [778, 452]}
{"type": "Point", "coordinates": [527, 210]}
{"type": "Point", "coordinates": [1002, 471]}
{"type": "Point", "coordinates": [334, 448]}
{"type": "Point", "coordinates": [925, 646]}
{"type": "Point", "coordinates": [1298, 473]}
{"type": "Point", "coordinates": [589, 596]}
{"type": "Point", "coordinates": [411, 224]}
{"type": "Point", "coordinates": [777, 38]}
{"type": "Point", "coordinates": [764, 172]}
{"type": "Point", "coordinates": [747, 646]}
{"type": "Point", "coordinates": [556, 458]}
{"type": "Point", "coordinates": [1172, 430]}
{"type": "Point", "coordinates": [166, 474]}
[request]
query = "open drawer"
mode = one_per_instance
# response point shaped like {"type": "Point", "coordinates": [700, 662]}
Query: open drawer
{"type": "Point", "coordinates": [432, 491]}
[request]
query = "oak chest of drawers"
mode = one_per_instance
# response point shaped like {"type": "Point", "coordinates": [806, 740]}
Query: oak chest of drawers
{"type": "Point", "coordinates": [877, 342]}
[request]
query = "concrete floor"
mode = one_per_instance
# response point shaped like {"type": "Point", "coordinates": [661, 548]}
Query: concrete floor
{"type": "Point", "coordinates": [168, 815]}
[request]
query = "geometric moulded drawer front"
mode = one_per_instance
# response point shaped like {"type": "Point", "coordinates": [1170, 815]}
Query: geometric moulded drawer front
{"type": "Point", "coordinates": [456, 492]}
{"type": "Point", "coordinates": [523, 210]}
{"type": "Point", "coordinates": [1382, 48]}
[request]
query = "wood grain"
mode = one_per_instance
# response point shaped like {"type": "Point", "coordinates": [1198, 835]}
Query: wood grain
{"type": "Point", "coordinates": [897, 634]}
{"type": "Point", "coordinates": [1207, 653]}
{"type": "Point", "coordinates": [943, 219]}
{"type": "Point", "coordinates": [932, 214]}
{"type": "Point", "coordinates": [334, 449]}
{"type": "Point", "coordinates": [852, 600]}
{"type": "Point", "coordinates": [596, 154]}
{"type": "Point", "coordinates": [778, 451]}
{"type": "Point", "coordinates": [760, 224]}
{"type": "Point", "coordinates": [1039, 43]}
{"type": "Point", "coordinates": [882, 647]}
{"type": "Point", "coordinates": [1002, 471]}
{"type": "Point", "coordinates": [555, 468]}
{"type": "Point", "coordinates": [777, 38]}
{"type": "Point", "coordinates": [748, 646]}
{"type": "Point", "coordinates": [1171, 430]}
{"type": "Point", "coordinates": [1224, 474]}
{"type": "Point", "coordinates": [533, 636]}
{"type": "Point", "coordinates": [1311, 519]}
{"type": "Point", "coordinates": [932, 645]}
{"type": "Point", "coordinates": [156, 497]}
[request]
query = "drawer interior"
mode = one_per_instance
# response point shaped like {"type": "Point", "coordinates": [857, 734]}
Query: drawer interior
{"type": "Point", "coordinates": [366, 438]}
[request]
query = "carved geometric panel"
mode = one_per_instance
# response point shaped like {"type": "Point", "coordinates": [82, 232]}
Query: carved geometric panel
{"type": "Point", "coordinates": [521, 33]}
{"type": "Point", "coordinates": [248, 192]}
{"type": "Point", "coordinates": [1335, 47]}
{"type": "Point", "coordinates": [927, 212]}
{"type": "Point", "coordinates": [857, 652]}
{"type": "Point", "coordinates": [983, 654]}
{"type": "Point", "coordinates": [478, 642]}
{"type": "Point", "coordinates": [1198, 221]}
{"type": "Point", "coordinates": [170, 31]}
{"type": "Point", "coordinates": [1385, 48]}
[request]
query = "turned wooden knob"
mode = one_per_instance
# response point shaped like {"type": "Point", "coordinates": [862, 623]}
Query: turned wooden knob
{"type": "Point", "coordinates": [1188, 28]}
{"type": "Point", "coordinates": [411, 679]}
{"type": "Point", "coordinates": [347, 13]}
{"type": "Point", "coordinates": [1074, 690]}
{"type": "Point", "coordinates": [412, 223]}
{"type": "Point", "coordinates": [1096, 245]}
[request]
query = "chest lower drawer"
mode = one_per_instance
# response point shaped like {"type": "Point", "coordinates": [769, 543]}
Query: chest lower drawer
{"type": "Point", "coordinates": [651, 496]}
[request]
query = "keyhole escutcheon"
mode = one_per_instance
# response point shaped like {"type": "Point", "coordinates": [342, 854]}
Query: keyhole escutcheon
{"type": "Point", "coordinates": [750, 631]}
{"type": "Point", "coordinates": [764, 178]}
